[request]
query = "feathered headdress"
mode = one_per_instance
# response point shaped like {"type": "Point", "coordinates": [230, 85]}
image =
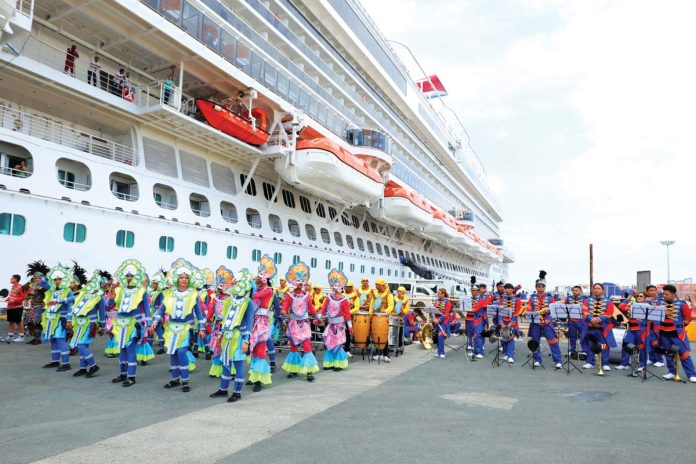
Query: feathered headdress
{"type": "Point", "coordinates": [37, 269]}
{"type": "Point", "coordinates": [105, 276]}
{"type": "Point", "coordinates": [298, 274]}
{"type": "Point", "coordinates": [179, 267]}
{"type": "Point", "coordinates": [267, 269]}
{"type": "Point", "coordinates": [224, 278]}
{"type": "Point", "coordinates": [94, 283]}
{"type": "Point", "coordinates": [243, 283]}
{"type": "Point", "coordinates": [133, 268]}
{"type": "Point", "coordinates": [160, 279]}
{"type": "Point", "coordinates": [542, 278]}
{"type": "Point", "coordinates": [209, 276]}
{"type": "Point", "coordinates": [337, 280]}
{"type": "Point", "coordinates": [79, 274]}
{"type": "Point", "coordinates": [60, 272]}
{"type": "Point", "coordinates": [198, 278]}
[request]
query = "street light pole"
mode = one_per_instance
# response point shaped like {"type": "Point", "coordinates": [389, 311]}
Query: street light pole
{"type": "Point", "coordinates": [667, 243]}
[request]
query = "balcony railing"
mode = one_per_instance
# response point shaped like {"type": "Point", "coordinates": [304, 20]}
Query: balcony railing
{"type": "Point", "coordinates": [75, 185]}
{"type": "Point", "coordinates": [45, 129]}
{"type": "Point", "coordinates": [7, 171]}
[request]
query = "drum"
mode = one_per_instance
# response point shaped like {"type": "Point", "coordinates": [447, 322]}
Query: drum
{"type": "Point", "coordinates": [361, 328]}
{"type": "Point", "coordinates": [615, 353]}
{"type": "Point", "coordinates": [380, 330]}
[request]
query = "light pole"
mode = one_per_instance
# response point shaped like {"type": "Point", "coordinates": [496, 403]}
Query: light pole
{"type": "Point", "coordinates": [667, 243]}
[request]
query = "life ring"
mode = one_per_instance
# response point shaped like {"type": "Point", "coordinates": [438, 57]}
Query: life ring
{"type": "Point", "coordinates": [128, 93]}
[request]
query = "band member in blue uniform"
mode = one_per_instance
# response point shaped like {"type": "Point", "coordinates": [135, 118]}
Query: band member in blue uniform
{"type": "Point", "coordinates": [672, 334]}
{"type": "Point", "coordinates": [539, 303]}
{"type": "Point", "coordinates": [598, 312]}
{"type": "Point", "coordinates": [652, 329]}
{"type": "Point", "coordinates": [58, 305]}
{"type": "Point", "coordinates": [576, 327]}
{"type": "Point", "coordinates": [635, 335]}
{"type": "Point", "coordinates": [513, 303]}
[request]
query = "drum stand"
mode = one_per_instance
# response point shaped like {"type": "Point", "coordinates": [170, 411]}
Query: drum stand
{"type": "Point", "coordinates": [497, 362]}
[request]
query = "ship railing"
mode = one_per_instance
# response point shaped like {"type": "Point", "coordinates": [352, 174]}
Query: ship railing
{"type": "Point", "coordinates": [75, 185]}
{"type": "Point", "coordinates": [7, 171]}
{"type": "Point", "coordinates": [46, 129]}
{"type": "Point", "coordinates": [169, 206]}
{"type": "Point", "coordinates": [201, 212]}
{"type": "Point", "coordinates": [125, 196]}
{"type": "Point", "coordinates": [160, 93]}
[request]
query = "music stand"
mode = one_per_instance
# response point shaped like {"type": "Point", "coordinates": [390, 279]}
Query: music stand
{"type": "Point", "coordinates": [568, 311]}
{"type": "Point", "coordinates": [532, 318]}
{"type": "Point", "coordinates": [500, 312]}
{"type": "Point", "coordinates": [648, 313]}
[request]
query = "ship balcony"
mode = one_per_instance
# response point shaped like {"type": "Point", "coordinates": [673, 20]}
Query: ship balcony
{"type": "Point", "coordinates": [466, 220]}
{"type": "Point", "coordinates": [372, 146]}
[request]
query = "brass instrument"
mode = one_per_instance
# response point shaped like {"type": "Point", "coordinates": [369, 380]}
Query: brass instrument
{"type": "Point", "coordinates": [598, 360]}
{"type": "Point", "coordinates": [676, 366]}
{"type": "Point", "coordinates": [426, 336]}
{"type": "Point", "coordinates": [507, 334]}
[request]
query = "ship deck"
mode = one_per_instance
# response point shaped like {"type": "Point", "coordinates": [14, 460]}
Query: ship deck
{"type": "Point", "coordinates": [415, 409]}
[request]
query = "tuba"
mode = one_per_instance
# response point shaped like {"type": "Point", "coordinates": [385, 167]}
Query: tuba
{"type": "Point", "coordinates": [426, 336]}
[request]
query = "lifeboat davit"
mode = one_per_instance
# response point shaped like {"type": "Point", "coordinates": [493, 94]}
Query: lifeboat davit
{"type": "Point", "coordinates": [402, 207]}
{"type": "Point", "coordinates": [323, 167]}
{"type": "Point", "coordinates": [233, 124]}
{"type": "Point", "coordinates": [442, 226]}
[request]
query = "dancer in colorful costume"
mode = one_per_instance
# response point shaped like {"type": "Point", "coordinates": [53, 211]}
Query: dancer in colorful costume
{"type": "Point", "coordinates": [224, 280]}
{"type": "Point", "coordinates": [58, 303]}
{"type": "Point", "coordinates": [181, 305]}
{"type": "Point", "coordinates": [36, 291]}
{"type": "Point", "coordinates": [298, 304]}
{"type": "Point", "coordinates": [337, 310]}
{"type": "Point", "coordinates": [143, 349]}
{"type": "Point", "coordinates": [133, 310]}
{"type": "Point", "coordinates": [236, 321]}
{"type": "Point", "coordinates": [266, 305]}
{"type": "Point", "coordinates": [200, 343]}
{"type": "Point", "coordinates": [111, 290]}
{"type": "Point", "coordinates": [158, 284]}
{"type": "Point", "coordinates": [88, 315]}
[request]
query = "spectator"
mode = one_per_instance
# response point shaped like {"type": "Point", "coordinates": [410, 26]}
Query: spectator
{"type": "Point", "coordinates": [168, 84]}
{"type": "Point", "coordinates": [117, 87]}
{"type": "Point", "coordinates": [93, 71]}
{"type": "Point", "coordinates": [15, 307]}
{"type": "Point", "coordinates": [36, 290]}
{"type": "Point", "coordinates": [70, 60]}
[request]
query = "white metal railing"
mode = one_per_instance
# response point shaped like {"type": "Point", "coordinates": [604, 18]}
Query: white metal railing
{"type": "Point", "coordinates": [8, 171]}
{"type": "Point", "coordinates": [125, 196]}
{"type": "Point", "coordinates": [200, 212]}
{"type": "Point", "coordinates": [75, 185]}
{"type": "Point", "coordinates": [46, 129]}
{"type": "Point", "coordinates": [160, 93]}
{"type": "Point", "coordinates": [169, 206]}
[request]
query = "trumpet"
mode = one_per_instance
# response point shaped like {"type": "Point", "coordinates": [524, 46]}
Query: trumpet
{"type": "Point", "coordinates": [600, 368]}
{"type": "Point", "coordinates": [676, 366]}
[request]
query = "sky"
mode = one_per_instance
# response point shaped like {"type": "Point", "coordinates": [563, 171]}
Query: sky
{"type": "Point", "coordinates": [583, 113]}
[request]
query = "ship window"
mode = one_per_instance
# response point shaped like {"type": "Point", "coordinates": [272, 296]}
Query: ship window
{"type": "Point", "coordinates": [242, 59]}
{"type": "Point", "coordinates": [270, 77]}
{"type": "Point", "coordinates": [191, 20]}
{"type": "Point", "coordinates": [386, 251]}
{"type": "Point", "coordinates": [275, 224]}
{"type": "Point", "coordinates": [194, 169]}
{"type": "Point", "coordinates": [164, 196]}
{"type": "Point", "coordinates": [362, 269]}
{"type": "Point", "coordinates": [305, 204]}
{"type": "Point", "coordinates": [403, 274]}
{"type": "Point", "coordinates": [12, 224]}
{"type": "Point", "coordinates": [253, 218]}
{"type": "Point", "coordinates": [370, 248]}
{"type": "Point", "coordinates": [223, 178]}
{"type": "Point", "coordinates": [125, 239]}
{"type": "Point", "coordinates": [372, 270]}
{"type": "Point", "coordinates": [72, 174]}
{"type": "Point", "coordinates": [366, 226]}
{"type": "Point", "coordinates": [332, 212]}
{"type": "Point", "coordinates": [338, 239]}
{"type": "Point", "coordinates": [288, 199]}
{"type": "Point", "coordinates": [321, 212]}
{"type": "Point", "coordinates": [269, 191]}
{"type": "Point", "coordinates": [356, 221]}
{"type": "Point", "coordinates": [311, 232]}
{"type": "Point", "coordinates": [211, 34]}
{"type": "Point", "coordinates": [349, 241]}
{"type": "Point", "coordinates": [389, 272]}
{"type": "Point", "coordinates": [228, 212]}
{"type": "Point", "coordinates": [401, 252]}
{"type": "Point", "coordinates": [277, 258]}
{"type": "Point", "coordinates": [340, 266]}
{"type": "Point", "coordinates": [394, 252]}
{"type": "Point", "coordinates": [199, 205]}
{"type": "Point", "coordinates": [227, 47]}
{"type": "Point", "coordinates": [200, 248]}
{"type": "Point", "coordinates": [293, 93]}
{"type": "Point", "coordinates": [326, 238]}
{"type": "Point", "coordinates": [313, 263]}
{"type": "Point", "coordinates": [381, 271]}
{"type": "Point", "coordinates": [15, 160]}
{"type": "Point", "coordinates": [379, 248]}
{"type": "Point", "coordinates": [231, 252]}
{"type": "Point", "coordinates": [352, 267]}
{"type": "Point", "coordinates": [251, 188]}
{"type": "Point", "coordinates": [361, 244]}
{"type": "Point", "coordinates": [257, 65]}
{"type": "Point", "coordinates": [327, 264]}
{"type": "Point", "coordinates": [256, 255]}
{"type": "Point", "coordinates": [73, 232]}
{"type": "Point", "coordinates": [159, 157]}
{"type": "Point", "coordinates": [123, 186]}
{"type": "Point", "coordinates": [282, 85]}
{"type": "Point", "coordinates": [294, 228]}
{"type": "Point", "coordinates": [295, 259]}
{"type": "Point", "coordinates": [166, 244]}
{"type": "Point", "coordinates": [374, 227]}
{"type": "Point", "coordinates": [344, 219]}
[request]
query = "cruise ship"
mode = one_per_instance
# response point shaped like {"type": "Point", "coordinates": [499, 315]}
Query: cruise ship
{"type": "Point", "coordinates": [220, 131]}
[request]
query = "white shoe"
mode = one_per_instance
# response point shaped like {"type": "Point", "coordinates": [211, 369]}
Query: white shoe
{"type": "Point", "coordinates": [500, 349]}
{"type": "Point", "coordinates": [668, 376]}
{"type": "Point", "coordinates": [692, 379]}
{"type": "Point", "coordinates": [622, 367]}
{"type": "Point", "coordinates": [606, 368]}
{"type": "Point", "coordinates": [511, 360]}
{"type": "Point", "coordinates": [504, 358]}
{"type": "Point", "coordinates": [650, 363]}
{"type": "Point", "coordinates": [588, 366]}
{"type": "Point", "coordinates": [375, 358]}
{"type": "Point", "coordinates": [640, 369]}
{"type": "Point", "coordinates": [468, 348]}
{"type": "Point", "coordinates": [9, 338]}
{"type": "Point", "coordinates": [435, 355]}
{"type": "Point", "coordinates": [442, 356]}
{"type": "Point", "coordinates": [537, 364]}
{"type": "Point", "coordinates": [659, 364]}
{"type": "Point", "coordinates": [416, 341]}
{"type": "Point", "coordinates": [19, 339]}
{"type": "Point", "coordinates": [386, 359]}
{"type": "Point", "coordinates": [559, 365]}
{"type": "Point", "coordinates": [479, 356]}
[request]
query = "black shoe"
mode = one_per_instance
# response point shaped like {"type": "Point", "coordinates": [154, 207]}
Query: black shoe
{"type": "Point", "coordinates": [185, 387]}
{"type": "Point", "coordinates": [292, 375]}
{"type": "Point", "coordinates": [257, 386]}
{"type": "Point", "coordinates": [310, 378]}
{"type": "Point", "coordinates": [128, 382]}
{"type": "Point", "coordinates": [51, 364]}
{"type": "Point", "coordinates": [219, 394]}
{"type": "Point", "coordinates": [64, 367]}
{"type": "Point", "coordinates": [337, 369]}
{"type": "Point", "coordinates": [327, 368]}
{"type": "Point", "coordinates": [208, 356]}
{"type": "Point", "coordinates": [143, 363]}
{"type": "Point", "coordinates": [119, 379]}
{"type": "Point", "coordinates": [172, 384]}
{"type": "Point", "coordinates": [80, 373]}
{"type": "Point", "coordinates": [92, 371]}
{"type": "Point", "coordinates": [195, 354]}
{"type": "Point", "coordinates": [161, 351]}
{"type": "Point", "coordinates": [234, 397]}
{"type": "Point", "coordinates": [273, 367]}
{"type": "Point", "coordinates": [249, 382]}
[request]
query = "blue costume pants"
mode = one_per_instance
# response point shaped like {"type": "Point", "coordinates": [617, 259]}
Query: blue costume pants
{"type": "Point", "coordinates": [509, 348]}
{"type": "Point", "coordinates": [60, 351]}
{"type": "Point", "coordinates": [575, 329]}
{"type": "Point", "coordinates": [667, 339]}
{"type": "Point", "coordinates": [238, 377]}
{"type": "Point", "coordinates": [159, 330]}
{"type": "Point", "coordinates": [653, 340]}
{"type": "Point", "coordinates": [441, 338]}
{"type": "Point", "coordinates": [178, 362]}
{"type": "Point", "coordinates": [86, 358]}
{"type": "Point", "coordinates": [270, 347]}
{"type": "Point", "coordinates": [473, 334]}
{"type": "Point", "coordinates": [127, 359]}
{"type": "Point", "coordinates": [536, 331]}
{"type": "Point", "coordinates": [454, 327]}
{"type": "Point", "coordinates": [633, 337]}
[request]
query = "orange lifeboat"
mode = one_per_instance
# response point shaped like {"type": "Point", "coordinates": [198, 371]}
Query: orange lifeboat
{"type": "Point", "coordinates": [233, 124]}
{"type": "Point", "coordinates": [402, 207]}
{"type": "Point", "coordinates": [442, 226]}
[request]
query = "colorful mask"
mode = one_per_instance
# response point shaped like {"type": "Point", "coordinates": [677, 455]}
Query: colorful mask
{"type": "Point", "coordinates": [180, 267]}
{"type": "Point", "coordinates": [243, 285]}
{"type": "Point", "coordinates": [298, 274]}
{"type": "Point", "coordinates": [224, 278]}
{"type": "Point", "coordinates": [337, 280]}
{"type": "Point", "coordinates": [267, 269]}
{"type": "Point", "coordinates": [133, 268]}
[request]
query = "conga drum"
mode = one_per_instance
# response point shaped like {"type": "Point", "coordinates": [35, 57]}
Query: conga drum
{"type": "Point", "coordinates": [380, 330]}
{"type": "Point", "coordinates": [361, 328]}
